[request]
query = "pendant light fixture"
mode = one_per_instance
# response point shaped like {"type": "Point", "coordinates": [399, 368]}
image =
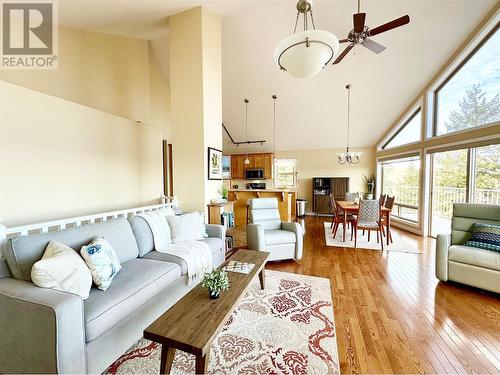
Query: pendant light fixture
{"type": "Point", "coordinates": [274, 128]}
{"type": "Point", "coordinates": [247, 160]}
{"type": "Point", "coordinates": [304, 54]}
{"type": "Point", "coordinates": [348, 157]}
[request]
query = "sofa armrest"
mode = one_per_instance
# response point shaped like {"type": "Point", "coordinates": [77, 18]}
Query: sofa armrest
{"type": "Point", "coordinates": [299, 243]}
{"type": "Point", "coordinates": [442, 244]}
{"type": "Point", "coordinates": [214, 230]}
{"type": "Point", "coordinates": [42, 330]}
{"type": "Point", "coordinates": [255, 237]}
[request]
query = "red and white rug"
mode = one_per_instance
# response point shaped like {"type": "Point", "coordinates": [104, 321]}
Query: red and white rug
{"type": "Point", "coordinates": [288, 328]}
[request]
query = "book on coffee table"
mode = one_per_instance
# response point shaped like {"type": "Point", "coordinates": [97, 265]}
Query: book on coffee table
{"type": "Point", "coordinates": [239, 267]}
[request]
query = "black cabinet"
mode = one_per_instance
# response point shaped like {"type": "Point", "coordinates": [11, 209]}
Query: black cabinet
{"type": "Point", "coordinates": [321, 189]}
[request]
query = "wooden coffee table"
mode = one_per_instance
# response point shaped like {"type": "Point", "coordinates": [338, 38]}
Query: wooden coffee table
{"type": "Point", "coordinates": [195, 320]}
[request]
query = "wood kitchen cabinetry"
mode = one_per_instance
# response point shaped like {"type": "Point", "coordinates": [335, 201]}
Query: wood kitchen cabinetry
{"type": "Point", "coordinates": [264, 161]}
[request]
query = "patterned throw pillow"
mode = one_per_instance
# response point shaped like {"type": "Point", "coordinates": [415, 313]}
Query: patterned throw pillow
{"type": "Point", "coordinates": [102, 260]}
{"type": "Point", "coordinates": [485, 236]}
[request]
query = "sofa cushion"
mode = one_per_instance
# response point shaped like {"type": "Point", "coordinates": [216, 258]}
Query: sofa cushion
{"type": "Point", "coordinates": [216, 247]}
{"type": "Point", "coordinates": [278, 237]}
{"type": "Point", "coordinates": [474, 256]}
{"type": "Point", "coordinates": [138, 281]}
{"type": "Point", "coordinates": [22, 252]}
{"type": "Point", "coordinates": [143, 234]}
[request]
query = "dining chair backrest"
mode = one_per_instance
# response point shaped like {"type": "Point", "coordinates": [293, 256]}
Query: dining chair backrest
{"type": "Point", "coordinates": [389, 202]}
{"type": "Point", "coordinates": [381, 200]}
{"type": "Point", "coordinates": [351, 197]}
{"type": "Point", "coordinates": [332, 202]}
{"type": "Point", "coordinates": [369, 211]}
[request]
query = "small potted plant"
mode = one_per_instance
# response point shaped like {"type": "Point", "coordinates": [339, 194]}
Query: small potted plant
{"type": "Point", "coordinates": [215, 281]}
{"type": "Point", "coordinates": [370, 185]}
{"type": "Point", "coordinates": [223, 191]}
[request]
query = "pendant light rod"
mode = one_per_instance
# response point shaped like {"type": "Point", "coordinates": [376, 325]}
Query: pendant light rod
{"type": "Point", "coordinates": [246, 128]}
{"type": "Point", "coordinates": [274, 122]}
{"type": "Point", "coordinates": [348, 87]}
{"type": "Point", "coordinates": [238, 143]}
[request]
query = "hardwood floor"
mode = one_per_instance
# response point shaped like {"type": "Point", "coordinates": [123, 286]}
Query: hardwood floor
{"type": "Point", "coordinates": [393, 316]}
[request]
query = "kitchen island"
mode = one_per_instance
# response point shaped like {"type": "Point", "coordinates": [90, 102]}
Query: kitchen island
{"type": "Point", "coordinates": [240, 197]}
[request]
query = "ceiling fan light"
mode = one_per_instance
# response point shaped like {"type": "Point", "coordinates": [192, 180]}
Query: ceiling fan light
{"type": "Point", "coordinates": [306, 53]}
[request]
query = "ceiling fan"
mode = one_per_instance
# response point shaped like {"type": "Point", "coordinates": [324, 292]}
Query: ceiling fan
{"type": "Point", "coordinates": [361, 34]}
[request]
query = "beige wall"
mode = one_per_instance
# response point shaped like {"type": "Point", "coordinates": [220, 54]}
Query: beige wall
{"type": "Point", "coordinates": [101, 71]}
{"type": "Point", "coordinates": [323, 163]}
{"type": "Point", "coordinates": [196, 102]}
{"type": "Point", "coordinates": [69, 143]}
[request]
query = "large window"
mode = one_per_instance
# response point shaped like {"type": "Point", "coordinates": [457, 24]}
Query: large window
{"type": "Point", "coordinates": [470, 96]}
{"type": "Point", "coordinates": [408, 133]}
{"type": "Point", "coordinates": [400, 178]}
{"type": "Point", "coordinates": [285, 173]}
{"type": "Point", "coordinates": [462, 176]}
{"type": "Point", "coordinates": [487, 174]}
{"type": "Point", "coordinates": [449, 185]}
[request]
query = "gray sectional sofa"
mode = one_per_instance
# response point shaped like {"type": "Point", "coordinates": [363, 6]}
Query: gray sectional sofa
{"type": "Point", "coordinates": [48, 331]}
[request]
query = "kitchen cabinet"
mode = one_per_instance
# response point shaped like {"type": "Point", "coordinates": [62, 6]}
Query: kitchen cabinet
{"type": "Point", "coordinates": [263, 160]}
{"type": "Point", "coordinates": [237, 167]}
{"type": "Point", "coordinates": [268, 166]}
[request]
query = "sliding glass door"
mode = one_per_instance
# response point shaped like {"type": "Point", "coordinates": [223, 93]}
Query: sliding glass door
{"type": "Point", "coordinates": [486, 183]}
{"type": "Point", "coordinates": [459, 176]}
{"type": "Point", "coordinates": [449, 185]}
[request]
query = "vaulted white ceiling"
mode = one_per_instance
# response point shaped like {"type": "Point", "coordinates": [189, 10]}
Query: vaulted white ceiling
{"type": "Point", "coordinates": [311, 113]}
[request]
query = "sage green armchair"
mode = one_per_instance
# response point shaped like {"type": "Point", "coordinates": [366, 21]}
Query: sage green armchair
{"type": "Point", "coordinates": [468, 265]}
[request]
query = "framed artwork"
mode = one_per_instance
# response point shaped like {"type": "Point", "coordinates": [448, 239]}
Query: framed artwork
{"type": "Point", "coordinates": [226, 167]}
{"type": "Point", "coordinates": [214, 164]}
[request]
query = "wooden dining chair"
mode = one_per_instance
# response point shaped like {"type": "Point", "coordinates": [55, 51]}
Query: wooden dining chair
{"type": "Point", "coordinates": [381, 200]}
{"type": "Point", "coordinates": [339, 219]}
{"type": "Point", "coordinates": [389, 203]}
{"type": "Point", "coordinates": [369, 219]}
{"type": "Point", "coordinates": [351, 197]}
{"type": "Point", "coordinates": [332, 206]}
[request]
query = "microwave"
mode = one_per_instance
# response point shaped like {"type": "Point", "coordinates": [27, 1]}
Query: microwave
{"type": "Point", "coordinates": [254, 174]}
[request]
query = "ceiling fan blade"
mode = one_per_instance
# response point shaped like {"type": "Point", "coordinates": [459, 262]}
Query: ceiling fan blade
{"type": "Point", "coordinates": [343, 40]}
{"type": "Point", "coordinates": [373, 46]}
{"type": "Point", "coordinates": [359, 22]}
{"type": "Point", "coordinates": [390, 25]}
{"type": "Point", "coordinates": [342, 55]}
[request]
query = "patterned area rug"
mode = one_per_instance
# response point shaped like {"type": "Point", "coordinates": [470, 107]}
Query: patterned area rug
{"type": "Point", "coordinates": [398, 244]}
{"type": "Point", "coordinates": [288, 328]}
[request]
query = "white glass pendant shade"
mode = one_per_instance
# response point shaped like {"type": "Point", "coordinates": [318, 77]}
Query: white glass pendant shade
{"type": "Point", "coordinates": [306, 53]}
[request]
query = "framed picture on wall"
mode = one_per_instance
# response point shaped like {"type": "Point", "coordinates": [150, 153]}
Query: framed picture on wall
{"type": "Point", "coordinates": [214, 164]}
{"type": "Point", "coordinates": [226, 167]}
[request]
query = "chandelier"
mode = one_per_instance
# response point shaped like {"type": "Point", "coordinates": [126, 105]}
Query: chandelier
{"type": "Point", "coordinates": [304, 54]}
{"type": "Point", "coordinates": [348, 157]}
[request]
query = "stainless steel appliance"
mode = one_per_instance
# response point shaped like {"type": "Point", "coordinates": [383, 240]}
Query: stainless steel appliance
{"type": "Point", "coordinates": [254, 174]}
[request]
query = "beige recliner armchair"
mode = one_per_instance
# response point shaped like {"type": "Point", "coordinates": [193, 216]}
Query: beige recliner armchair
{"type": "Point", "coordinates": [463, 264]}
{"type": "Point", "coordinates": [266, 231]}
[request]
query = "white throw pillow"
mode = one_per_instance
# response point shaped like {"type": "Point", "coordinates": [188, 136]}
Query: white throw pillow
{"type": "Point", "coordinates": [187, 227]}
{"type": "Point", "coordinates": [61, 268]}
{"type": "Point", "coordinates": [102, 260]}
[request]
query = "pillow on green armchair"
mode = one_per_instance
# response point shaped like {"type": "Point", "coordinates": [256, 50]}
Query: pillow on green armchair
{"type": "Point", "coordinates": [485, 236]}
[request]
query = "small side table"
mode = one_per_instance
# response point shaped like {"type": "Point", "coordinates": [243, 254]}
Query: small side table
{"type": "Point", "coordinates": [215, 211]}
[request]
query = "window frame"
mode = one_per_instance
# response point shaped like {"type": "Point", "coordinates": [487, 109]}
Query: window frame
{"type": "Point", "coordinates": [276, 173]}
{"type": "Point", "coordinates": [408, 157]}
{"type": "Point", "coordinates": [453, 70]}
{"type": "Point", "coordinates": [413, 113]}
